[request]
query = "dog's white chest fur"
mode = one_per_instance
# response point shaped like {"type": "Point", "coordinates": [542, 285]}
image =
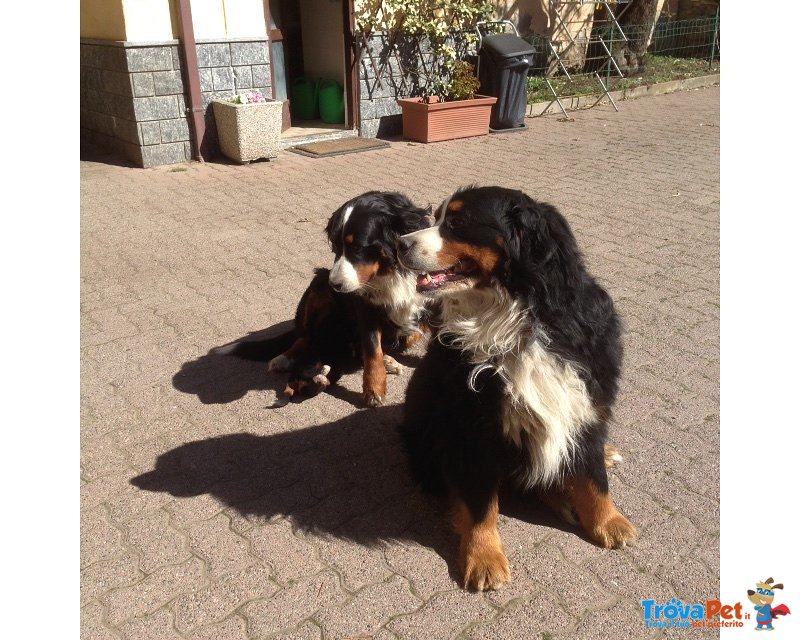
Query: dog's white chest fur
{"type": "Point", "coordinates": [397, 293]}
{"type": "Point", "coordinates": [546, 403]}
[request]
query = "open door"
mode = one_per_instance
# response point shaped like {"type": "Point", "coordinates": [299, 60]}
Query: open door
{"type": "Point", "coordinates": [313, 65]}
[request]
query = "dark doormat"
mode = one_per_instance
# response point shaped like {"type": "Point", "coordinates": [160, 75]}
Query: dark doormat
{"type": "Point", "coordinates": [328, 148]}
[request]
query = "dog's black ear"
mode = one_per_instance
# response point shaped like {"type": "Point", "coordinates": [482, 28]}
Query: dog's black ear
{"type": "Point", "coordinates": [411, 219]}
{"type": "Point", "coordinates": [541, 247]}
{"type": "Point", "coordinates": [404, 215]}
{"type": "Point", "coordinates": [528, 239]}
{"type": "Point", "coordinates": [335, 223]}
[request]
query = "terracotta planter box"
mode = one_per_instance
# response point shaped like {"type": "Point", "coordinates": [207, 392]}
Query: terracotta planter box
{"type": "Point", "coordinates": [248, 132]}
{"type": "Point", "coordinates": [446, 120]}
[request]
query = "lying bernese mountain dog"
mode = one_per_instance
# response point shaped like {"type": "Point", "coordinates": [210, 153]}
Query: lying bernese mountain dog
{"type": "Point", "coordinates": [356, 313]}
{"type": "Point", "coordinates": [519, 383]}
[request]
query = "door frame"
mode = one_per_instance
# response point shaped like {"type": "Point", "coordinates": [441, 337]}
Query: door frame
{"type": "Point", "coordinates": [351, 84]}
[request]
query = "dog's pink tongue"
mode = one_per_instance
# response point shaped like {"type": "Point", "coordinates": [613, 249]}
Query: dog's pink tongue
{"type": "Point", "coordinates": [428, 280]}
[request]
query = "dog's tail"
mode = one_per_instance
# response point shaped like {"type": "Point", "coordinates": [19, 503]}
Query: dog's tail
{"type": "Point", "coordinates": [258, 350]}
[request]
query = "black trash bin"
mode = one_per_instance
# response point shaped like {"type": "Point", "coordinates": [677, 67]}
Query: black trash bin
{"type": "Point", "coordinates": [503, 63]}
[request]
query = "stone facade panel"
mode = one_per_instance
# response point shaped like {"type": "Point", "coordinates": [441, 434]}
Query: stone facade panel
{"type": "Point", "coordinates": [248, 53]}
{"type": "Point", "coordinates": [167, 83]}
{"type": "Point", "coordinates": [91, 78]}
{"type": "Point", "coordinates": [150, 132]}
{"type": "Point", "coordinates": [214, 55]}
{"type": "Point", "coordinates": [174, 130]}
{"type": "Point", "coordinates": [143, 86]}
{"type": "Point", "coordinates": [261, 75]}
{"type": "Point", "coordinates": [243, 78]}
{"type": "Point", "coordinates": [163, 154]}
{"type": "Point", "coordinates": [379, 108]}
{"type": "Point", "coordinates": [149, 59]}
{"type": "Point", "coordinates": [117, 82]}
{"type": "Point", "coordinates": [223, 78]}
{"type": "Point", "coordinates": [156, 108]}
{"type": "Point", "coordinates": [126, 130]}
{"type": "Point", "coordinates": [206, 80]}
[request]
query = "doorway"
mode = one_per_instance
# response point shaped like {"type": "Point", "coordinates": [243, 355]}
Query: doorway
{"type": "Point", "coordinates": [309, 52]}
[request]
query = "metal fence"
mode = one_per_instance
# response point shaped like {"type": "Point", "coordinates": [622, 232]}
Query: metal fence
{"type": "Point", "coordinates": [594, 54]}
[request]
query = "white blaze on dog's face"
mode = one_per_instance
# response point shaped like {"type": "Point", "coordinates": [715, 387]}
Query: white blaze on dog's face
{"type": "Point", "coordinates": [458, 252]}
{"type": "Point", "coordinates": [343, 276]}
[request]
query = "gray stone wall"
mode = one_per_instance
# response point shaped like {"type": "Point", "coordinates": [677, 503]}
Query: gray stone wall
{"type": "Point", "coordinates": [133, 98]}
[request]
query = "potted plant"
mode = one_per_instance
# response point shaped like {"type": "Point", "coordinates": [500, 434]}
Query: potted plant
{"type": "Point", "coordinates": [248, 126]}
{"type": "Point", "coordinates": [423, 35]}
{"type": "Point", "coordinates": [458, 112]}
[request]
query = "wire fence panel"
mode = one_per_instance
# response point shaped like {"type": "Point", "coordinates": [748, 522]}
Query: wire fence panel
{"type": "Point", "coordinates": [600, 54]}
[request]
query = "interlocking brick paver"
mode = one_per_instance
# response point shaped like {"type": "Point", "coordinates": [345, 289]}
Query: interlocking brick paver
{"type": "Point", "coordinates": [293, 604]}
{"type": "Point", "coordinates": [157, 626]}
{"type": "Point", "coordinates": [233, 628]}
{"type": "Point", "coordinates": [154, 591]}
{"type": "Point", "coordinates": [532, 618]}
{"type": "Point", "coordinates": [99, 539]}
{"type": "Point", "coordinates": [371, 608]}
{"type": "Point", "coordinates": [443, 616]}
{"type": "Point", "coordinates": [212, 604]}
{"type": "Point", "coordinates": [206, 514]}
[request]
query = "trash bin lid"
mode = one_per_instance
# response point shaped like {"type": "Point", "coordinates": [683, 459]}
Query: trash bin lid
{"type": "Point", "coordinates": [507, 45]}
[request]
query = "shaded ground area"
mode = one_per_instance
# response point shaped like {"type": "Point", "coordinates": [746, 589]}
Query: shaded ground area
{"type": "Point", "coordinates": [204, 514]}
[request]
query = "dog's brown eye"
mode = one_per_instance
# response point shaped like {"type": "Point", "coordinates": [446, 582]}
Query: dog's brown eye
{"type": "Point", "coordinates": [455, 221]}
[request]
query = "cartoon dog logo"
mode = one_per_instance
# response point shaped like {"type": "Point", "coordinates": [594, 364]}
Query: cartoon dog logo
{"type": "Point", "coordinates": [762, 597]}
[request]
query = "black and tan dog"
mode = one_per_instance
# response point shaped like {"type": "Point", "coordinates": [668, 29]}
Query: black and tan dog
{"type": "Point", "coordinates": [357, 313]}
{"type": "Point", "coordinates": [520, 381]}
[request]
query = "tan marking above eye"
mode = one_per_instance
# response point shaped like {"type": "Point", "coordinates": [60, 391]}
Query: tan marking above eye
{"type": "Point", "coordinates": [348, 239]}
{"type": "Point", "coordinates": [455, 205]}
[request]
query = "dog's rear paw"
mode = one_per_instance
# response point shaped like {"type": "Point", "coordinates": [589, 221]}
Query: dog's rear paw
{"type": "Point", "coordinates": [612, 456]}
{"type": "Point", "coordinates": [392, 366]}
{"type": "Point", "coordinates": [321, 380]}
{"type": "Point", "coordinates": [615, 533]}
{"type": "Point", "coordinates": [279, 363]}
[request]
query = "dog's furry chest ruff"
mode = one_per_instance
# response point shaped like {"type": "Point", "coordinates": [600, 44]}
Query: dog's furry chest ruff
{"type": "Point", "coordinates": [397, 294]}
{"type": "Point", "coordinates": [545, 403]}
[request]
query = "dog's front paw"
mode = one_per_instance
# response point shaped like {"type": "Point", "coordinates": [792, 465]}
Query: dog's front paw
{"type": "Point", "coordinates": [372, 399]}
{"type": "Point", "coordinates": [486, 569]}
{"type": "Point", "coordinates": [614, 533]}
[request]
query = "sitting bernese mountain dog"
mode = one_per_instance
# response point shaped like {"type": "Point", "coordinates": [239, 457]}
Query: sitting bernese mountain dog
{"type": "Point", "coordinates": [519, 383]}
{"type": "Point", "coordinates": [357, 313]}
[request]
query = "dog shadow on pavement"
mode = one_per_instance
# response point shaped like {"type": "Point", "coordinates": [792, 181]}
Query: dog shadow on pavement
{"type": "Point", "coordinates": [347, 479]}
{"type": "Point", "coordinates": [218, 379]}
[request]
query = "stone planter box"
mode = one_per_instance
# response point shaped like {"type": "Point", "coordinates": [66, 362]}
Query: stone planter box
{"type": "Point", "coordinates": [248, 132]}
{"type": "Point", "coordinates": [446, 120]}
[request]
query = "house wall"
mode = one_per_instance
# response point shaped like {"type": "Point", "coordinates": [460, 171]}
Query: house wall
{"type": "Point", "coordinates": [132, 74]}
